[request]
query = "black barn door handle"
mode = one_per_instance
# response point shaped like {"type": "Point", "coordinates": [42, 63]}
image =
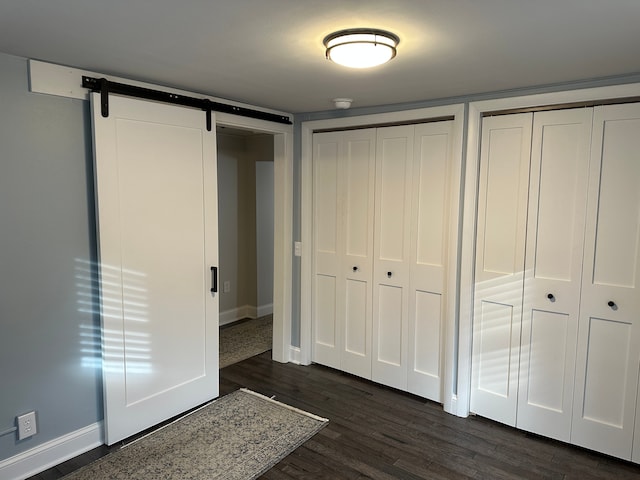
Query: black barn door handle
{"type": "Point", "coordinates": [214, 279]}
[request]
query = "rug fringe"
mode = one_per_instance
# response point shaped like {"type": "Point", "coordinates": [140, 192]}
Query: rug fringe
{"type": "Point", "coordinates": [311, 415]}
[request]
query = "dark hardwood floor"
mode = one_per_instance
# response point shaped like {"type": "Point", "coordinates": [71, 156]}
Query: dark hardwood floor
{"type": "Point", "coordinates": [376, 432]}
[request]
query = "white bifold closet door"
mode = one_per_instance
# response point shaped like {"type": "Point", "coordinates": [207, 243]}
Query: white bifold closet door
{"type": "Point", "coordinates": [605, 407]}
{"type": "Point", "coordinates": [553, 270]}
{"type": "Point", "coordinates": [556, 339]}
{"type": "Point", "coordinates": [531, 215]}
{"type": "Point", "coordinates": [431, 186]}
{"type": "Point", "coordinates": [381, 222]}
{"type": "Point", "coordinates": [343, 200]}
{"type": "Point", "coordinates": [155, 169]}
{"type": "Point", "coordinates": [499, 271]}
{"type": "Point", "coordinates": [413, 182]}
{"type": "Point", "coordinates": [394, 164]}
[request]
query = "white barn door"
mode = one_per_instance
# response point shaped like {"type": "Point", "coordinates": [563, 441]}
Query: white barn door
{"type": "Point", "coordinates": [155, 169]}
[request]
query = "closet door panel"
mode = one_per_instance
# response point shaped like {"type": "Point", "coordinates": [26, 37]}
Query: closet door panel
{"type": "Point", "coordinates": [560, 166]}
{"type": "Point", "coordinates": [394, 149]}
{"type": "Point", "coordinates": [394, 155]}
{"type": "Point", "coordinates": [430, 193]}
{"type": "Point", "coordinates": [616, 240]}
{"type": "Point", "coordinates": [504, 180]}
{"type": "Point", "coordinates": [429, 237]}
{"type": "Point", "coordinates": [609, 334]}
{"type": "Point", "coordinates": [355, 328]}
{"type": "Point", "coordinates": [545, 381]}
{"type": "Point", "coordinates": [499, 272]}
{"type": "Point", "coordinates": [359, 171]}
{"type": "Point", "coordinates": [389, 365]}
{"type": "Point", "coordinates": [356, 357]}
{"type": "Point", "coordinates": [327, 255]}
{"type": "Point", "coordinates": [325, 197]}
{"type": "Point", "coordinates": [358, 190]}
{"type": "Point", "coordinates": [493, 344]}
{"type": "Point", "coordinates": [556, 219]}
{"type": "Point", "coordinates": [425, 340]}
{"type": "Point", "coordinates": [344, 188]}
{"type": "Point", "coordinates": [326, 327]}
{"type": "Point", "coordinates": [390, 305]}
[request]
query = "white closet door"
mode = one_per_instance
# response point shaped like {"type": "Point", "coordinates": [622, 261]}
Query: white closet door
{"type": "Point", "coordinates": [358, 190]}
{"type": "Point", "coordinates": [609, 333]}
{"type": "Point", "coordinates": [499, 273]}
{"type": "Point", "coordinates": [326, 334]}
{"type": "Point", "coordinates": [394, 158]}
{"type": "Point", "coordinates": [344, 174]}
{"type": "Point", "coordinates": [155, 169]}
{"type": "Point", "coordinates": [429, 253]}
{"type": "Point", "coordinates": [553, 270]}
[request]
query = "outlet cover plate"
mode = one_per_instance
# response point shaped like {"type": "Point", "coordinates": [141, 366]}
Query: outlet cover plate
{"type": "Point", "coordinates": [27, 425]}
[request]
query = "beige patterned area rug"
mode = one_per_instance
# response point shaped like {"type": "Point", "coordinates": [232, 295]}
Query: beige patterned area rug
{"type": "Point", "coordinates": [237, 437]}
{"type": "Point", "coordinates": [245, 339]}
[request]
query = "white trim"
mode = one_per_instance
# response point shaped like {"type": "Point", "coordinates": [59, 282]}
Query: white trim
{"type": "Point", "coordinates": [294, 355]}
{"type": "Point", "coordinates": [264, 310]}
{"type": "Point", "coordinates": [238, 313]}
{"type": "Point", "coordinates": [450, 333]}
{"type": "Point", "coordinates": [244, 311]}
{"type": "Point", "coordinates": [283, 237]}
{"type": "Point", "coordinates": [63, 81]}
{"type": "Point", "coordinates": [467, 254]}
{"type": "Point", "coordinates": [52, 453]}
{"type": "Point", "coordinates": [450, 338]}
{"type": "Point", "coordinates": [306, 238]}
{"type": "Point", "coordinates": [282, 224]}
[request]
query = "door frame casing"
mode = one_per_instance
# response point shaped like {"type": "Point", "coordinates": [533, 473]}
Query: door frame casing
{"type": "Point", "coordinates": [282, 224]}
{"type": "Point", "coordinates": [451, 315]}
{"type": "Point", "coordinates": [470, 204]}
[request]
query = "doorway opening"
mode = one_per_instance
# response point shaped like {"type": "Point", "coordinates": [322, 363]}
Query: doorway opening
{"type": "Point", "coordinates": [246, 242]}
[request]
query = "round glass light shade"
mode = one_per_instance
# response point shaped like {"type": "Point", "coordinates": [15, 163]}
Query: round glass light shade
{"type": "Point", "coordinates": [361, 47]}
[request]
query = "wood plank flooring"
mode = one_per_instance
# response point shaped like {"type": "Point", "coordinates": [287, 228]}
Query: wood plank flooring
{"type": "Point", "coordinates": [376, 432]}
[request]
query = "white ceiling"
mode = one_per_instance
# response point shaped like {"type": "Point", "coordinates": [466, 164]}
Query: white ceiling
{"type": "Point", "coordinates": [269, 52]}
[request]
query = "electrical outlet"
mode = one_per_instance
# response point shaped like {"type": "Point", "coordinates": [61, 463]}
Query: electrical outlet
{"type": "Point", "coordinates": [27, 425]}
{"type": "Point", "coordinates": [226, 286]}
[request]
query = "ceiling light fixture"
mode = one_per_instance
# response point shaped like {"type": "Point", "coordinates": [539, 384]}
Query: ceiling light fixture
{"type": "Point", "coordinates": [361, 47]}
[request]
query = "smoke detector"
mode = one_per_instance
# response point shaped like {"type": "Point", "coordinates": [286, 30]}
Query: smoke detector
{"type": "Point", "coordinates": [342, 103]}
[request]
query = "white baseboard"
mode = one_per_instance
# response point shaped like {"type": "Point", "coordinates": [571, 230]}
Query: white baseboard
{"type": "Point", "coordinates": [294, 355]}
{"type": "Point", "coordinates": [264, 310]}
{"type": "Point", "coordinates": [238, 313]}
{"type": "Point", "coordinates": [52, 453]}
{"type": "Point", "coordinates": [245, 311]}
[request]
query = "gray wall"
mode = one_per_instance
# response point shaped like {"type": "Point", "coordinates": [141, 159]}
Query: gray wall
{"type": "Point", "coordinates": [245, 240]}
{"type": "Point", "coordinates": [48, 333]}
{"type": "Point", "coordinates": [236, 221]}
{"type": "Point", "coordinates": [264, 230]}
